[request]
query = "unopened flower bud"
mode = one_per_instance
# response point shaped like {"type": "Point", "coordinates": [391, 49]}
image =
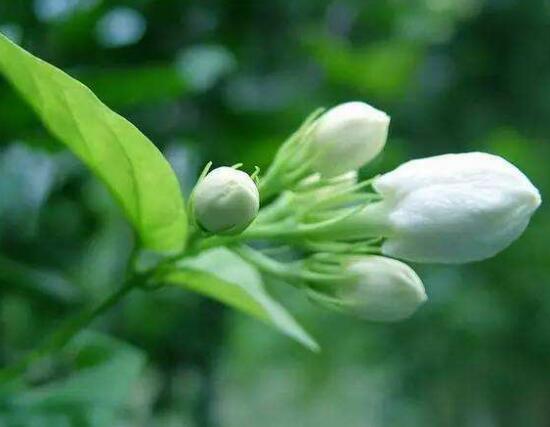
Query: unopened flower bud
{"type": "Point", "coordinates": [226, 201]}
{"type": "Point", "coordinates": [347, 137]}
{"type": "Point", "coordinates": [453, 208]}
{"type": "Point", "coordinates": [381, 289]}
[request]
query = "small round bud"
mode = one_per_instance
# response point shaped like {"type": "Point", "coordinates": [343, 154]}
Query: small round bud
{"type": "Point", "coordinates": [347, 137]}
{"type": "Point", "coordinates": [226, 201]}
{"type": "Point", "coordinates": [384, 290]}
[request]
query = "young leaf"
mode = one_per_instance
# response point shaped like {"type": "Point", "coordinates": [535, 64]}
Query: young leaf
{"type": "Point", "coordinates": [223, 276]}
{"type": "Point", "coordinates": [134, 170]}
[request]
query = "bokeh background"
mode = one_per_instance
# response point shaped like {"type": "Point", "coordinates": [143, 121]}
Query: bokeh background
{"type": "Point", "coordinates": [227, 81]}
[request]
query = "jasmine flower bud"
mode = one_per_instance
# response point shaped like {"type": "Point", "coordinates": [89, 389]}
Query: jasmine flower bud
{"type": "Point", "coordinates": [226, 201]}
{"type": "Point", "coordinates": [381, 289]}
{"type": "Point", "coordinates": [347, 137]}
{"type": "Point", "coordinates": [453, 208]}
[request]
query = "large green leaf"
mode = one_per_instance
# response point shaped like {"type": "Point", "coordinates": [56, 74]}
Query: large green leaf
{"type": "Point", "coordinates": [222, 275]}
{"type": "Point", "coordinates": [135, 171]}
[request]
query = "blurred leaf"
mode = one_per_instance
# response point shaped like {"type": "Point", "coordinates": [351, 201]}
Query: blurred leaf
{"type": "Point", "coordinates": [527, 154]}
{"type": "Point", "coordinates": [131, 166]}
{"type": "Point", "coordinates": [120, 26]}
{"type": "Point", "coordinates": [91, 396]}
{"type": "Point", "coordinates": [381, 69]}
{"type": "Point", "coordinates": [26, 179]}
{"type": "Point", "coordinates": [128, 87]}
{"type": "Point", "coordinates": [204, 65]}
{"type": "Point", "coordinates": [39, 283]}
{"type": "Point", "coordinates": [223, 276]}
{"type": "Point", "coordinates": [118, 87]}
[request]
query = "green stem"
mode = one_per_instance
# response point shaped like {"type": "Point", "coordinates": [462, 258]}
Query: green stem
{"type": "Point", "coordinates": [269, 185]}
{"type": "Point", "coordinates": [275, 211]}
{"type": "Point", "coordinates": [68, 330]}
{"type": "Point", "coordinates": [369, 222]}
{"type": "Point", "coordinates": [210, 243]}
{"type": "Point", "coordinates": [295, 274]}
{"type": "Point", "coordinates": [275, 180]}
{"type": "Point", "coordinates": [291, 229]}
{"type": "Point", "coordinates": [266, 264]}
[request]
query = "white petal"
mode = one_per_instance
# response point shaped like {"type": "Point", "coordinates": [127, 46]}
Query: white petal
{"type": "Point", "coordinates": [347, 137]}
{"type": "Point", "coordinates": [477, 169]}
{"type": "Point", "coordinates": [457, 223]}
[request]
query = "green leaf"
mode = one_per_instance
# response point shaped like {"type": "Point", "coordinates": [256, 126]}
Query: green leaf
{"type": "Point", "coordinates": [134, 170]}
{"type": "Point", "coordinates": [222, 275]}
{"type": "Point", "coordinates": [93, 395]}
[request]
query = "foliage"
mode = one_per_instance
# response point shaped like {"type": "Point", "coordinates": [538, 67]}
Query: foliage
{"type": "Point", "coordinates": [103, 372]}
{"type": "Point", "coordinates": [470, 74]}
{"type": "Point", "coordinates": [133, 169]}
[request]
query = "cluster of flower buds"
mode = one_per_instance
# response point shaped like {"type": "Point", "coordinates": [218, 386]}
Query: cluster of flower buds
{"type": "Point", "coordinates": [345, 235]}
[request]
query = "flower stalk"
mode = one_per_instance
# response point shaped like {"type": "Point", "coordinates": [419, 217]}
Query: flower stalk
{"type": "Point", "coordinates": [71, 327]}
{"type": "Point", "coordinates": [345, 236]}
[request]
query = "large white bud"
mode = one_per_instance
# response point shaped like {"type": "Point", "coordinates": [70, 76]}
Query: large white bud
{"type": "Point", "coordinates": [226, 201]}
{"type": "Point", "coordinates": [384, 290]}
{"type": "Point", "coordinates": [454, 208]}
{"type": "Point", "coordinates": [347, 137]}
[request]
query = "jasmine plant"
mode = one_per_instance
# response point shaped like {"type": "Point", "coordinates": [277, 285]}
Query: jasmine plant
{"type": "Point", "coordinates": [344, 239]}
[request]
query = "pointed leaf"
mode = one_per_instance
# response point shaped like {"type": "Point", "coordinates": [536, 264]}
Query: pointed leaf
{"type": "Point", "coordinates": [134, 170]}
{"type": "Point", "coordinates": [222, 275]}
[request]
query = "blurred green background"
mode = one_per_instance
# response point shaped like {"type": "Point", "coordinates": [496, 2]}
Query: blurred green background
{"type": "Point", "coordinates": [227, 81]}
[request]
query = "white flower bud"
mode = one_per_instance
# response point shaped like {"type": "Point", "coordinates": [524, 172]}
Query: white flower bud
{"type": "Point", "coordinates": [226, 201]}
{"type": "Point", "coordinates": [453, 208]}
{"type": "Point", "coordinates": [385, 290]}
{"type": "Point", "coordinates": [347, 137]}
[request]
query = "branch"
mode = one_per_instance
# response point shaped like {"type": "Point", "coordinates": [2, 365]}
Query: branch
{"type": "Point", "coordinates": [68, 330]}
